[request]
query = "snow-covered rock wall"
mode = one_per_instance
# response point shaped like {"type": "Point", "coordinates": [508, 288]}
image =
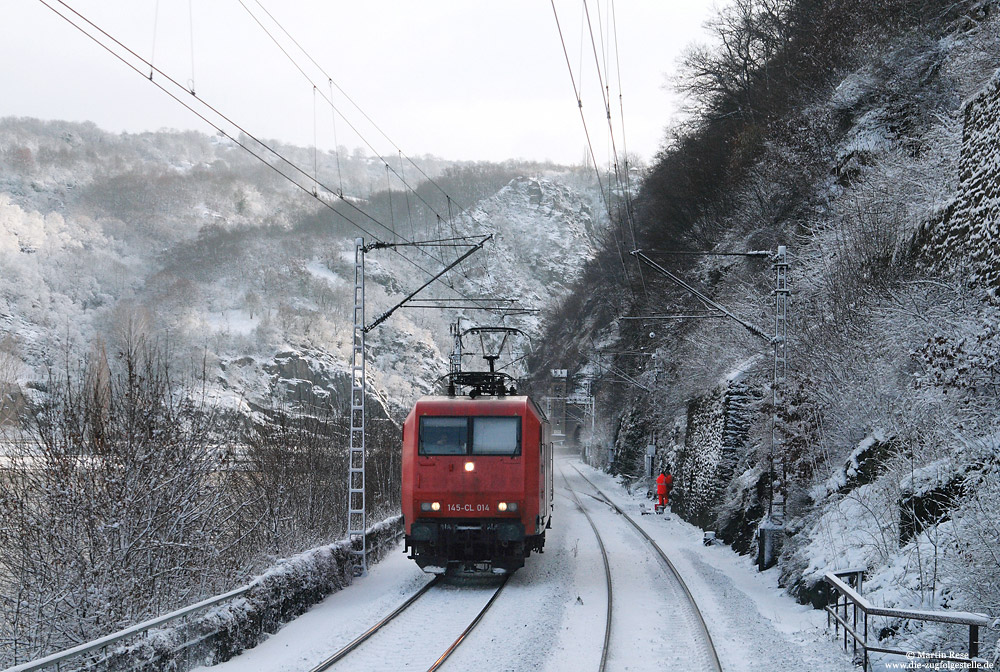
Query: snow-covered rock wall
{"type": "Point", "coordinates": [969, 235]}
{"type": "Point", "coordinates": [715, 441]}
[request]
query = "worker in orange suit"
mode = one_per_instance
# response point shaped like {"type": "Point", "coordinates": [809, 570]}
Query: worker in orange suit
{"type": "Point", "coordinates": [664, 483]}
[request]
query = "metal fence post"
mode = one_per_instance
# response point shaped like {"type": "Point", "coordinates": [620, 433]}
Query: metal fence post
{"type": "Point", "coordinates": [855, 636]}
{"type": "Point", "coordinates": [845, 622]}
{"type": "Point", "coordinates": [864, 644]}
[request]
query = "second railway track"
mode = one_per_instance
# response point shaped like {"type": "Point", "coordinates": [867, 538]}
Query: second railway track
{"type": "Point", "coordinates": [649, 614]}
{"type": "Point", "coordinates": [688, 612]}
{"type": "Point", "coordinates": [607, 574]}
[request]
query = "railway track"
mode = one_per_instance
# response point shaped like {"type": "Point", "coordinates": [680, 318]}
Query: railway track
{"type": "Point", "coordinates": [358, 642]}
{"type": "Point", "coordinates": [699, 618]}
{"type": "Point", "coordinates": [408, 632]}
{"type": "Point", "coordinates": [607, 572]}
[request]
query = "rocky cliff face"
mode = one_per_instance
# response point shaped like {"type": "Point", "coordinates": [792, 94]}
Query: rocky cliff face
{"type": "Point", "coordinates": [882, 181]}
{"type": "Point", "coordinates": [969, 235]}
{"type": "Point", "coordinates": [715, 442]}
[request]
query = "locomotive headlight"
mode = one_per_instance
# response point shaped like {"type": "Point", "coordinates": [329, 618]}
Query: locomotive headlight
{"type": "Point", "coordinates": [507, 506]}
{"type": "Point", "coordinates": [470, 466]}
{"type": "Point", "coordinates": [435, 506]}
{"type": "Point", "coordinates": [502, 506]}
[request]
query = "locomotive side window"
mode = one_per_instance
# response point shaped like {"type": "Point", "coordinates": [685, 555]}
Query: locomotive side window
{"type": "Point", "coordinates": [444, 436]}
{"type": "Point", "coordinates": [496, 436]}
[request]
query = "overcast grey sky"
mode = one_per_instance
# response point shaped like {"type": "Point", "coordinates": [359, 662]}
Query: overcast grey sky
{"type": "Point", "coordinates": [460, 79]}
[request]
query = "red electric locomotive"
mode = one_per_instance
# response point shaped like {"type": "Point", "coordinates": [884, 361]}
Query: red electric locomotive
{"type": "Point", "coordinates": [477, 482]}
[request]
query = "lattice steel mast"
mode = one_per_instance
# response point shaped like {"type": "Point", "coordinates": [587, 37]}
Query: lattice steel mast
{"type": "Point", "coordinates": [357, 520]}
{"type": "Point", "coordinates": [780, 366]}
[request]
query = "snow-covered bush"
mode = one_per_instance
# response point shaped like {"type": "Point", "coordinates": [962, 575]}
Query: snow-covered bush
{"type": "Point", "coordinates": [116, 503]}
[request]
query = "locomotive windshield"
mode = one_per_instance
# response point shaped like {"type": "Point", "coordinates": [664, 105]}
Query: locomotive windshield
{"type": "Point", "coordinates": [496, 436]}
{"type": "Point", "coordinates": [444, 436]}
{"type": "Point", "coordinates": [470, 435]}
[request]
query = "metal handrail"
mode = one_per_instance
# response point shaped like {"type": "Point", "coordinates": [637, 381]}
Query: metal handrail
{"type": "Point", "coordinates": [852, 598]}
{"type": "Point", "coordinates": [137, 629]}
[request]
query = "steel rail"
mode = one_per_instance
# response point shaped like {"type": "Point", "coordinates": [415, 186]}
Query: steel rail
{"type": "Point", "coordinates": [670, 565]}
{"type": "Point", "coordinates": [363, 637]}
{"type": "Point", "coordinates": [607, 570]}
{"type": "Point", "coordinates": [475, 622]}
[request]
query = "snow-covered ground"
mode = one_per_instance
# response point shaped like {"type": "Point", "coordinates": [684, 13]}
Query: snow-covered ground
{"type": "Point", "coordinates": [551, 614]}
{"type": "Point", "coordinates": [754, 624]}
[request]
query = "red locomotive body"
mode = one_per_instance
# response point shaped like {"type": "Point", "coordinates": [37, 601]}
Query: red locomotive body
{"type": "Point", "coordinates": [477, 482]}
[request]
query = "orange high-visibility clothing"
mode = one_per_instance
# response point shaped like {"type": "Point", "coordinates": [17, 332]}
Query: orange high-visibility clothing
{"type": "Point", "coordinates": [664, 483]}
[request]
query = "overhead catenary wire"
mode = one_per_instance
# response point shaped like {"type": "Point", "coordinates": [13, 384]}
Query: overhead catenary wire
{"type": "Point", "coordinates": [751, 253]}
{"type": "Point", "coordinates": [351, 100]}
{"type": "Point", "coordinates": [329, 101]}
{"type": "Point", "coordinates": [202, 115]}
{"type": "Point", "coordinates": [606, 99]}
{"type": "Point", "coordinates": [621, 116]}
{"type": "Point", "coordinates": [360, 135]}
{"type": "Point", "coordinates": [385, 315]}
{"type": "Point", "coordinates": [629, 210]}
{"type": "Point", "coordinates": [590, 145]}
{"type": "Point", "coordinates": [701, 296]}
{"type": "Point", "coordinates": [215, 111]}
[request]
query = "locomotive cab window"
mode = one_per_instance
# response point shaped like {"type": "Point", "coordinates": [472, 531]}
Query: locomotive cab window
{"type": "Point", "coordinates": [483, 435]}
{"type": "Point", "coordinates": [444, 436]}
{"type": "Point", "coordinates": [496, 436]}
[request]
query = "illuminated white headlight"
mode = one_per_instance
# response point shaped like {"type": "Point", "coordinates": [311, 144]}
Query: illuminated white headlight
{"type": "Point", "coordinates": [507, 506]}
{"type": "Point", "coordinates": [470, 466]}
{"type": "Point", "coordinates": [502, 506]}
{"type": "Point", "coordinates": [436, 506]}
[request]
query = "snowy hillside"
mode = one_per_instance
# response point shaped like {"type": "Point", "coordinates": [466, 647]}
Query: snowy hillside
{"type": "Point", "coordinates": [202, 243]}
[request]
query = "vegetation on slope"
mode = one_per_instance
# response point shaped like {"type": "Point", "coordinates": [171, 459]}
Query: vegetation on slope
{"type": "Point", "coordinates": [833, 127]}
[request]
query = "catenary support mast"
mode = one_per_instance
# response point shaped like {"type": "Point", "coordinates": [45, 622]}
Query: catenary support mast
{"type": "Point", "coordinates": [778, 379]}
{"type": "Point", "coordinates": [356, 516]}
{"type": "Point", "coordinates": [357, 519]}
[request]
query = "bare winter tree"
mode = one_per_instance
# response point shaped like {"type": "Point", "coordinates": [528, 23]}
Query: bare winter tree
{"type": "Point", "coordinates": [115, 505]}
{"type": "Point", "coordinates": [733, 76]}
